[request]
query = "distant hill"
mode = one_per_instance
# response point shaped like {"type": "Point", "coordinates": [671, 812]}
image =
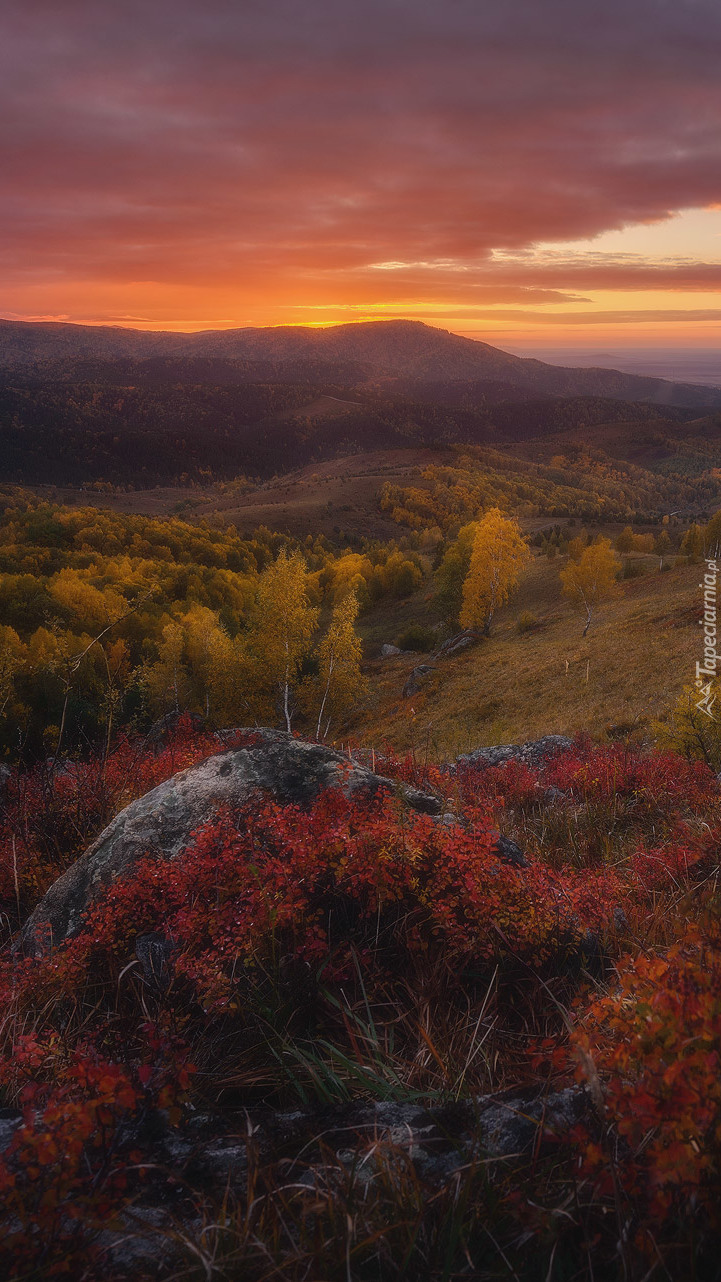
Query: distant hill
{"type": "Point", "coordinates": [392, 355]}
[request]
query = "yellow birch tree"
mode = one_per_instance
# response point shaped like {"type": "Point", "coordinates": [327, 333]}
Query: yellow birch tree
{"type": "Point", "coordinates": [499, 555]}
{"type": "Point", "coordinates": [592, 579]}
{"type": "Point", "coordinates": [282, 626]}
{"type": "Point", "coordinates": [339, 656]}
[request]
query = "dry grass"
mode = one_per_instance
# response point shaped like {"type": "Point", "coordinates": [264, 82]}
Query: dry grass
{"type": "Point", "coordinates": [627, 672]}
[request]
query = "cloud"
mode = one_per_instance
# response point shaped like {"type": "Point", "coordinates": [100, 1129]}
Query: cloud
{"type": "Point", "coordinates": [285, 151]}
{"type": "Point", "coordinates": [631, 316]}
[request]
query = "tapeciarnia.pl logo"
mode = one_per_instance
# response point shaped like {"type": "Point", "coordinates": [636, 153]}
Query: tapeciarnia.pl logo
{"type": "Point", "coordinates": [706, 672]}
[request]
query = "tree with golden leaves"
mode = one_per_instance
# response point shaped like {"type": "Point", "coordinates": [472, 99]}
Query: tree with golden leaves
{"type": "Point", "coordinates": [498, 557]}
{"type": "Point", "coordinates": [13, 655]}
{"type": "Point", "coordinates": [692, 544]}
{"type": "Point", "coordinates": [693, 726]}
{"type": "Point", "coordinates": [282, 626]}
{"type": "Point", "coordinates": [592, 579]}
{"type": "Point", "coordinates": [339, 656]}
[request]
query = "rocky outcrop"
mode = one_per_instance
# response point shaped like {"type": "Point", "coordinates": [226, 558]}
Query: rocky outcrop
{"type": "Point", "coordinates": [438, 1140]}
{"type": "Point", "coordinates": [207, 1156]}
{"type": "Point", "coordinates": [534, 753]}
{"type": "Point", "coordinates": [274, 764]}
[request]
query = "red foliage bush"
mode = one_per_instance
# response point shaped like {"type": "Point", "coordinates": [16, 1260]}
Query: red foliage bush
{"type": "Point", "coordinates": [279, 880]}
{"type": "Point", "coordinates": [653, 1046]}
{"type": "Point", "coordinates": [65, 1175]}
{"type": "Point", "coordinates": [611, 773]}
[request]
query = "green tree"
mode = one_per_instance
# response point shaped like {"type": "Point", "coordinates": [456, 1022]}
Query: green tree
{"type": "Point", "coordinates": [692, 544]}
{"type": "Point", "coordinates": [662, 547]}
{"type": "Point", "coordinates": [624, 541]}
{"type": "Point", "coordinates": [452, 571]}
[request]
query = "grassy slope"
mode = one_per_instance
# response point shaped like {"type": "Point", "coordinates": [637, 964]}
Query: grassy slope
{"type": "Point", "coordinates": [338, 494]}
{"type": "Point", "coordinates": [639, 653]}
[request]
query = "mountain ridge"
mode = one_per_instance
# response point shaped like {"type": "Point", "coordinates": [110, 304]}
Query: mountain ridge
{"type": "Point", "coordinates": [368, 352]}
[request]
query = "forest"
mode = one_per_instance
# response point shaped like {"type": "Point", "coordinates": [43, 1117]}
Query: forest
{"type": "Point", "coordinates": [111, 620]}
{"type": "Point", "coordinates": [147, 432]}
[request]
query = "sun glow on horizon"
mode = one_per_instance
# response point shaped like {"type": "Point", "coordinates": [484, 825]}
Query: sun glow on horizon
{"type": "Point", "coordinates": [629, 286]}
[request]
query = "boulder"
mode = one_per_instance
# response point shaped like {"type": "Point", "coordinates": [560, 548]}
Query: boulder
{"type": "Point", "coordinates": [274, 764]}
{"type": "Point", "coordinates": [390, 651]}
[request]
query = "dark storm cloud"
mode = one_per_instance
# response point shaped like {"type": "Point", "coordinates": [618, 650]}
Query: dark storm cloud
{"type": "Point", "coordinates": [279, 144]}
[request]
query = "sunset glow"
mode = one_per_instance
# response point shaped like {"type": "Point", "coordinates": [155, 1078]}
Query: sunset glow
{"type": "Point", "coordinates": [507, 172]}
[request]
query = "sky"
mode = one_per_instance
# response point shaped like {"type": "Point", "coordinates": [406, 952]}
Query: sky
{"type": "Point", "coordinates": [529, 172]}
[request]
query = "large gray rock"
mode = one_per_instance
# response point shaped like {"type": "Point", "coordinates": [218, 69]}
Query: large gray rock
{"type": "Point", "coordinates": [289, 770]}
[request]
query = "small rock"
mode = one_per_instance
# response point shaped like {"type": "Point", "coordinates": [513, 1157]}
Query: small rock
{"type": "Point", "coordinates": [8, 1126]}
{"type": "Point", "coordinates": [553, 796]}
{"type": "Point", "coordinates": [509, 852]}
{"type": "Point", "coordinates": [450, 820]}
{"type": "Point", "coordinates": [620, 920]}
{"type": "Point", "coordinates": [417, 677]}
{"type": "Point", "coordinates": [454, 645]}
{"type": "Point", "coordinates": [390, 651]}
{"type": "Point", "coordinates": [153, 952]}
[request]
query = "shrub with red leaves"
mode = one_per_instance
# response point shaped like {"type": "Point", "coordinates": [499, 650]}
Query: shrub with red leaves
{"type": "Point", "coordinates": [282, 881]}
{"type": "Point", "coordinates": [369, 934]}
{"type": "Point", "coordinates": [651, 1049]}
